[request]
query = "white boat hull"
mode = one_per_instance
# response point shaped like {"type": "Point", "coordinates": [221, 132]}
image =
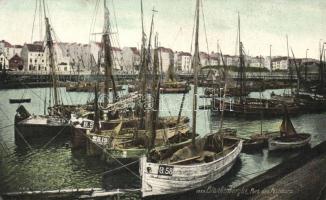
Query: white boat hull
{"type": "Point", "coordinates": [279, 145]}
{"type": "Point", "coordinates": [184, 177]}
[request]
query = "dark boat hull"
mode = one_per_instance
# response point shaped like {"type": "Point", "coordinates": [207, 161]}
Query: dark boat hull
{"type": "Point", "coordinates": [29, 131]}
{"type": "Point", "coordinates": [19, 100]}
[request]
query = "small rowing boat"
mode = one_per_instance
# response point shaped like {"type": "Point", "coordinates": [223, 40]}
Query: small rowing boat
{"type": "Point", "coordinates": [19, 100]}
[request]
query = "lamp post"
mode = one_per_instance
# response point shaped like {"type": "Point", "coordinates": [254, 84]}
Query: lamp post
{"type": "Point", "coordinates": [305, 69]}
{"type": "Point", "coordinates": [270, 56]}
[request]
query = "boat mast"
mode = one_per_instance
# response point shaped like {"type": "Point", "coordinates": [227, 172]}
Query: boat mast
{"type": "Point", "coordinates": [49, 44]}
{"type": "Point", "coordinates": [242, 67]}
{"type": "Point", "coordinates": [288, 62]}
{"type": "Point", "coordinates": [195, 65]}
{"type": "Point", "coordinates": [155, 94]}
{"type": "Point", "coordinates": [145, 75]}
{"type": "Point", "coordinates": [96, 110]}
{"type": "Point", "coordinates": [108, 60]}
{"type": "Point", "coordinates": [321, 67]}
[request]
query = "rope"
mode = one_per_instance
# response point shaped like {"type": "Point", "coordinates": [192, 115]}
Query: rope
{"type": "Point", "coordinates": [49, 142]}
{"type": "Point", "coordinates": [34, 20]}
{"type": "Point", "coordinates": [203, 15]}
{"type": "Point", "coordinates": [115, 169]}
{"type": "Point", "coordinates": [103, 149]}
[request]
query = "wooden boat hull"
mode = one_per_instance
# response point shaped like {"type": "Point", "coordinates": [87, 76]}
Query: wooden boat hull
{"type": "Point", "coordinates": [166, 90]}
{"type": "Point", "coordinates": [277, 144]}
{"type": "Point", "coordinates": [252, 111]}
{"type": "Point", "coordinates": [253, 145]}
{"type": "Point", "coordinates": [136, 153]}
{"type": "Point", "coordinates": [39, 126]}
{"type": "Point", "coordinates": [181, 178]}
{"type": "Point", "coordinates": [257, 142]}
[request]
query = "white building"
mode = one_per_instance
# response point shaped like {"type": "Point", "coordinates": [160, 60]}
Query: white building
{"type": "Point", "coordinates": [216, 58]}
{"type": "Point", "coordinates": [62, 59]}
{"type": "Point", "coordinates": [166, 58]}
{"type": "Point", "coordinates": [96, 48]}
{"type": "Point", "coordinates": [182, 61]}
{"type": "Point", "coordinates": [204, 59]}
{"type": "Point", "coordinates": [34, 57]}
{"type": "Point", "coordinates": [4, 64]}
{"type": "Point", "coordinates": [131, 59]}
{"type": "Point", "coordinates": [231, 60]}
{"type": "Point", "coordinates": [257, 61]}
{"type": "Point", "coordinates": [280, 63]}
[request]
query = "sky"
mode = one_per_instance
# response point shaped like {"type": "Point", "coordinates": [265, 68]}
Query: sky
{"type": "Point", "coordinates": [263, 23]}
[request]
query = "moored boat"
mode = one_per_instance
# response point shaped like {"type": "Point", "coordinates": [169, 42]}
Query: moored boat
{"type": "Point", "coordinates": [288, 138]}
{"type": "Point", "coordinates": [297, 141]}
{"type": "Point", "coordinates": [19, 100]}
{"type": "Point", "coordinates": [190, 173]}
{"type": "Point", "coordinates": [54, 124]}
{"type": "Point", "coordinates": [203, 161]}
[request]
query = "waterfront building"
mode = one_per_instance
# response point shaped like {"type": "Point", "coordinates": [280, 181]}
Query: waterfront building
{"type": "Point", "coordinates": [231, 60]}
{"type": "Point", "coordinates": [9, 50]}
{"type": "Point", "coordinates": [131, 58]}
{"type": "Point", "coordinates": [16, 63]}
{"type": "Point", "coordinates": [216, 58]}
{"type": "Point", "coordinates": [204, 59]}
{"type": "Point", "coordinates": [3, 61]}
{"type": "Point", "coordinates": [166, 58]}
{"type": "Point", "coordinates": [182, 61]}
{"type": "Point", "coordinates": [280, 63]}
{"type": "Point", "coordinates": [257, 61]}
{"type": "Point", "coordinates": [118, 61]}
{"type": "Point", "coordinates": [34, 58]}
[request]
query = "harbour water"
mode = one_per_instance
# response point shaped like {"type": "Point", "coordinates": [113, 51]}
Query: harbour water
{"type": "Point", "coordinates": [50, 164]}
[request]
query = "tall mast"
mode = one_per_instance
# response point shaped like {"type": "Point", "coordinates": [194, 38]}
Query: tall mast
{"type": "Point", "coordinates": [195, 65]}
{"type": "Point", "coordinates": [108, 61]}
{"type": "Point", "coordinates": [321, 67]}
{"type": "Point", "coordinates": [143, 50]}
{"type": "Point", "coordinates": [288, 63]}
{"type": "Point", "coordinates": [144, 76]}
{"type": "Point", "coordinates": [242, 67]}
{"type": "Point", "coordinates": [49, 44]}
{"type": "Point", "coordinates": [155, 94]}
{"type": "Point", "coordinates": [142, 25]}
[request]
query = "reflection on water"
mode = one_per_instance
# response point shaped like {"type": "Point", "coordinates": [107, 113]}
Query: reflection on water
{"type": "Point", "coordinates": [56, 167]}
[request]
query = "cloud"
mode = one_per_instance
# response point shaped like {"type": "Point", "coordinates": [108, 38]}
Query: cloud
{"type": "Point", "coordinates": [263, 22]}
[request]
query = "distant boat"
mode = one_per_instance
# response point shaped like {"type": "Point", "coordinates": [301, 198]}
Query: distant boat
{"type": "Point", "coordinates": [289, 138]}
{"type": "Point", "coordinates": [19, 100]}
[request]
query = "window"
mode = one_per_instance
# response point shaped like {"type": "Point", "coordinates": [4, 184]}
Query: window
{"type": "Point", "coordinates": [30, 60]}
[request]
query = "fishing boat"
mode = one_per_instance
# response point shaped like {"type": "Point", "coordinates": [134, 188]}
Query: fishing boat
{"type": "Point", "coordinates": [19, 100]}
{"type": "Point", "coordinates": [243, 106]}
{"type": "Point", "coordinates": [203, 161]}
{"type": "Point", "coordinates": [175, 87]}
{"type": "Point", "coordinates": [123, 135]}
{"type": "Point", "coordinates": [33, 126]}
{"type": "Point", "coordinates": [288, 138]}
{"type": "Point", "coordinates": [257, 142]}
{"type": "Point", "coordinates": [88, 87]}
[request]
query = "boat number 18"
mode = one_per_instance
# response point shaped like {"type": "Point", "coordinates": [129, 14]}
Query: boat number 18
{"type": "Point", "coordinates": [165, 170]}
